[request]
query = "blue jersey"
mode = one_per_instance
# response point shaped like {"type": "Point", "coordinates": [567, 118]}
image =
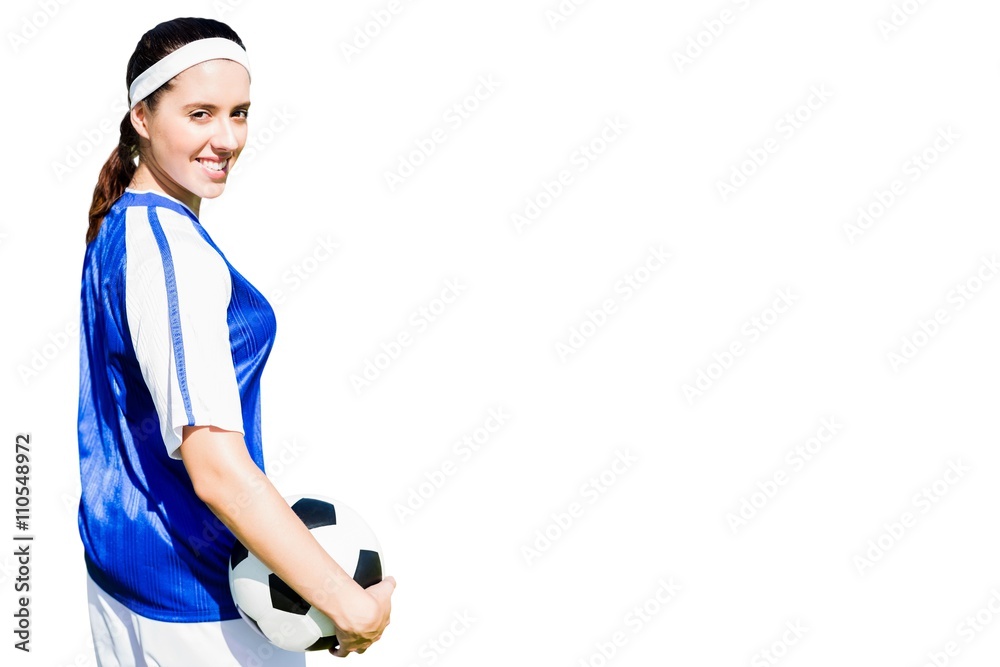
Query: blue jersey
{"type": "Point", "coordinates": [171, 335]}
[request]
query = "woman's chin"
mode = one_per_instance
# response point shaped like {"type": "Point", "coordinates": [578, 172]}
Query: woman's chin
{"type": "Point", "coordinates": [212, 190]}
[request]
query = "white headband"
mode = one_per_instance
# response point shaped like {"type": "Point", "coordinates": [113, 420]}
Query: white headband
{"type": "Point", "coordinates": [179, 60]}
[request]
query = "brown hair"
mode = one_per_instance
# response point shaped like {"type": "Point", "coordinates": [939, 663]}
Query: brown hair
{"type": "Point", "coordinates": [117, 172]}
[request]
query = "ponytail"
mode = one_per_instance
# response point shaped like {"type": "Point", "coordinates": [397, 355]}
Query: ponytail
{"type": "Point", "coordinates": [115, 176]}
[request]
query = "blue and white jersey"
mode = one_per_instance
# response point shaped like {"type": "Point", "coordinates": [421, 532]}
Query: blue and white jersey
{"type": "Point", "coordinates": [171, 335]}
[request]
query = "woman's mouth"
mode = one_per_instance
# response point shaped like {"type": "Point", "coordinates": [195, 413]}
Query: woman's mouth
{"type": "Point", "coordinates": [214, 168]}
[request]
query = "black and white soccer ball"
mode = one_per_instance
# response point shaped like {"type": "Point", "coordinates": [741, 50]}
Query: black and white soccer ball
{"type": "Point", "coordinates": [280, 614]}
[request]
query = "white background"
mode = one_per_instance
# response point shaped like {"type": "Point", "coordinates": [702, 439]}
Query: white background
{"type": "Point", "coordinates": [320, 174]}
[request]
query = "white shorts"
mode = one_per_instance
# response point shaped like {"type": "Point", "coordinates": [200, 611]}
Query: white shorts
{"type": "Point", "coordinates": [123, 638]}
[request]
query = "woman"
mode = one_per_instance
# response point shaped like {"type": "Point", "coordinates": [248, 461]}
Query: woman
{"type": "Point", "coordinates": [173, 342]}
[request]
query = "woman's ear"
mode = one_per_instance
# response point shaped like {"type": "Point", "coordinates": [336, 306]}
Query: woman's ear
{"type": "Point", "coordinates": [140, 116]}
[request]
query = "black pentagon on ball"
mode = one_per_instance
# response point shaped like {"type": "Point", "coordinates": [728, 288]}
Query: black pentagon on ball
{"type": "Point", "coordinates": [283, 598]}
{"type": "Point", "coordinates": [324, 643]}
{"type": "Point", "coordinates": [238, 555]}
{"type": "Point", "coordinates": [315, 513]}
{"type": "Point", "coordinates": [369, 569]}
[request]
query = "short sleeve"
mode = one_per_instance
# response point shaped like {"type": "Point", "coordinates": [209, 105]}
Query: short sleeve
{"type": "Point", "coordinates": [177, 292]}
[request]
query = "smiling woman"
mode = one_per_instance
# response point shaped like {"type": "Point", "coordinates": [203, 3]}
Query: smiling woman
{"type": "Point", "coordinates": [190, 148]}
{"type": "Point", "coordinates": [173, 344]}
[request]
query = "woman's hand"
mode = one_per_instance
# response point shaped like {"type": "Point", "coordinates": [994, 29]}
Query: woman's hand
{"type": "Point", "coordinates": [364, 618]}
{"type": "Point", "coordinates": [238, 492]}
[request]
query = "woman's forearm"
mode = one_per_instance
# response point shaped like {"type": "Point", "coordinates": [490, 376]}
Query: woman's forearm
{"type": "Point", "coordinates": [235, 489]}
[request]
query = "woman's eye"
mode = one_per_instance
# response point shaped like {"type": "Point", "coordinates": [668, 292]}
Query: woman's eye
{"type": "Point", "coordinates": [197, 115]}
{"type": "Point", "coordinates": [245, 112]}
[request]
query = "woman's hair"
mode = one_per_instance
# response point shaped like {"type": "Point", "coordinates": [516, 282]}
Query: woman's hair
{"type": "Point", "coordinates": [117, 172]}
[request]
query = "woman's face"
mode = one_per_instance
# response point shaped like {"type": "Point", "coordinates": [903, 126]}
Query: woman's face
{"type": "Point", "coordinates": [196, 133]}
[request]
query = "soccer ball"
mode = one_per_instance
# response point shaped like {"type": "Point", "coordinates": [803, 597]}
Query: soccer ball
{"type": "Point", "coordinates": [280, 614]}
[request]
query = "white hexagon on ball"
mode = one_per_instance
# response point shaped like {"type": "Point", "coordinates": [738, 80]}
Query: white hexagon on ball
{"type": "Point", "coordinates": [277, 612]}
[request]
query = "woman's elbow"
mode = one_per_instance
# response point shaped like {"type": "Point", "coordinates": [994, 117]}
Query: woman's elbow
{"type": "Point", "coordinates": [216, 462]}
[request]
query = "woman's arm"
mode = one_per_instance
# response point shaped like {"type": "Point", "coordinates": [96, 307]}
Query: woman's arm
{"type": "Point", "coordinates": [227, 480]}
